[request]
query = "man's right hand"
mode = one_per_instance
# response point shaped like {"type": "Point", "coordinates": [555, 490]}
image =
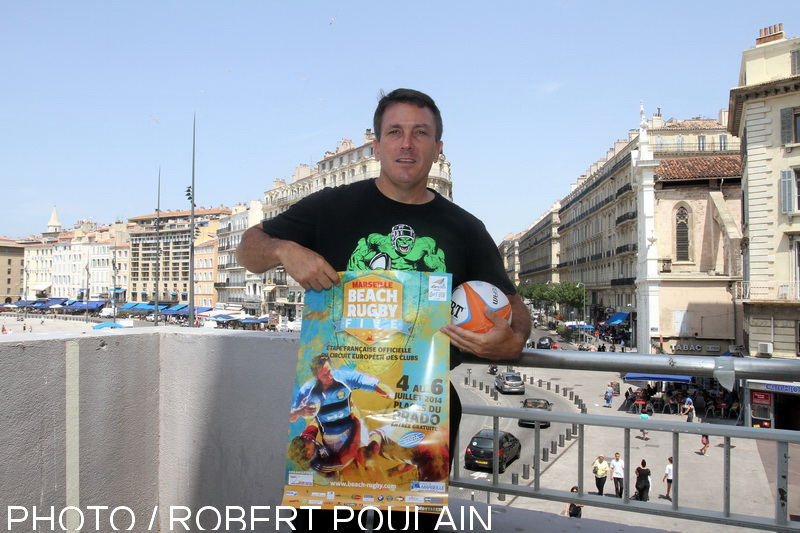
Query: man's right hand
{"type": "Point", "coordinates": [306, 266]}
{"type": "Point", "coordinates": [259, 252]}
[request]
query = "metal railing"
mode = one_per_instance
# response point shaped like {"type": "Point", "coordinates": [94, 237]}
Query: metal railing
{"type": "Point", "coordinates": [768, 290]}
{"type": "Point", "coordinates": [725, 369]}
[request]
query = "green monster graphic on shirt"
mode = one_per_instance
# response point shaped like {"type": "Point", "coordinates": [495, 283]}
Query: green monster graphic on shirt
{"type": "Point", "coordinates": [400, 250]}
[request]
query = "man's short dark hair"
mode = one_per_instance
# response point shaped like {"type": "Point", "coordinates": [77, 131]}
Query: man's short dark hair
{"type": "Point", "coordinates": [406, 96]}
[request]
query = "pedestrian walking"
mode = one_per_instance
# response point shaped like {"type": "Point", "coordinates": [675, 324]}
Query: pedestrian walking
{"type": "Point", "coordinates": [574, 510]}
{"type": "Point", "coordinates": [600, 470]}
{"type": "Point", "coordinates": [643, 482]}
{"type": "Point", "coordinates": [618, 474]}
{"type": "Point", "coordinates": [668, 477]}
{"type": "Point", "coordinates": [706, 443]}
{"type": "Point", "coordinates": [609, 396]}
{"type": "Point", "coordinates": [688, 410]}
{"type": "Point", "coordinates": [645, 434]}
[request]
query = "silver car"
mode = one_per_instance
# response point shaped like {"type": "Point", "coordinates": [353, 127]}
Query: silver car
{"type": "Point", "coordinates": [507, 382]}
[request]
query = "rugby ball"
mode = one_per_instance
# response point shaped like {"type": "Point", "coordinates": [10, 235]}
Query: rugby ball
{"type": "Point", "coordinates": [469, 301]}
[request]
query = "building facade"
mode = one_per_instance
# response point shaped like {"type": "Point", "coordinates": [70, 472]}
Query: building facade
{"type": "Point", "coordinates": [238, 289]}
{"type": "Point", "coordinates": [765, 113]}
{"type": "Point", "coordinates": [160, 250]}
{"type": "Point", "coordinates": [12, 261]}
{"type": "Point", "coordinates": [653, 231]}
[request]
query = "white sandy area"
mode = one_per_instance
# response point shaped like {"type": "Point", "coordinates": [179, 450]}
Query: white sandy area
{"type": "Point", "coordinates": [42, 324]}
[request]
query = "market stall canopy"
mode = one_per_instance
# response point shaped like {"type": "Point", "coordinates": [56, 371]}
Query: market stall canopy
{"type": "Point", "coordinates": [107, 325]}
{"type": "Point", "coordinates": [616, 319]}
{"type": "Point", "coordinates": [629, 377]}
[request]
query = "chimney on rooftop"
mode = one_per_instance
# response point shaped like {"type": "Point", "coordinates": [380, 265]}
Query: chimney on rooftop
{"type": "Point", "coordinates": [769, 34]}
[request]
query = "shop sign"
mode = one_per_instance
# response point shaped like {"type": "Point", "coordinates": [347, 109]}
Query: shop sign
{"type": "Point", "coordinates": [686, 347]}
{"type": "Point", "coordinates": [780, 387]}
{"type": "Point", "coordinates": [760, 398]}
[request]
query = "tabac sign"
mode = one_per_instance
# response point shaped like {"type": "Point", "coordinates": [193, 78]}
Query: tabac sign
{"type": "Point", "coordinates": [373, 309]}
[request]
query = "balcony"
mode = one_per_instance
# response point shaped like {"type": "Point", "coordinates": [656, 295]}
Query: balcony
{"type": "Point", "coordinates": [630, 215]}
{"type": "Point", "coordinates": [768, 291]}
{"type": "Point", "coordinates": [163, 419]}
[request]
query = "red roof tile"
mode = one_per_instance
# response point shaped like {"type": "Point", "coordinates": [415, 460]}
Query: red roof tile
{"type": "Point", "coordinates": [718, 166]}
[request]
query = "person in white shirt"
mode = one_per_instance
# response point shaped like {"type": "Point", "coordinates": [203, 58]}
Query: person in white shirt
{"type": "Point", "coordinates": [618, 474]}
{"type": "Point", "coordinates": [668, 478]}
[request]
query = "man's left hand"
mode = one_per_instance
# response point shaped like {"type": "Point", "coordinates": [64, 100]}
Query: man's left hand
{"type": "Point", "coordinates": [504, 341]}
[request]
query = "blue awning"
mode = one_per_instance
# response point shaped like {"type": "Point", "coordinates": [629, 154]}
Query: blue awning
{"type": "Point", "coordinates": [130, 305]}
{"type": "Point", "coordinates": [657, 377]}
{"type": "Point", "coordinates": [83, 306]}
{"type": "Point", "coordinates": [617, 318]}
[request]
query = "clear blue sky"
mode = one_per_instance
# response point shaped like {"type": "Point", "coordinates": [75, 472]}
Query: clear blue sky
{"type": "Point", "coordinates": [96, 96]}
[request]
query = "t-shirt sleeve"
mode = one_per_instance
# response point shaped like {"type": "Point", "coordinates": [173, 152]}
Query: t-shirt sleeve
{"type": "Point", "coordinates": [297, 223]}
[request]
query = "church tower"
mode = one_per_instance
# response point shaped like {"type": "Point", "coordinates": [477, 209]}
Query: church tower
{"type": "Point", "coordinates": [54, 226]}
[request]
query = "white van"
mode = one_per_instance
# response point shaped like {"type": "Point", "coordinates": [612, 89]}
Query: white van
{"type": "Point", "coordinates": [106, 312]}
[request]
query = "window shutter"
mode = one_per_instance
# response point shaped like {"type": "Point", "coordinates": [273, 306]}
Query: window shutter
{"type": "Point", "coordinates": [786, 125]}
{"type": "Point", "coordinates": [787, 192]}
{"type": "Point", "coordinates": [795, 62]}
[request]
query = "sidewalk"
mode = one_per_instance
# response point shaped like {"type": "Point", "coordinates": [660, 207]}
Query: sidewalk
{"type": "Point", "coordinates": [701, 476]}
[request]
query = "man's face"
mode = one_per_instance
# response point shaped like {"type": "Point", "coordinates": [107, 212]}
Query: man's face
{"type": "Point", "coordinates": [325, 375]}
{"type": "Point", "coordinates": [407, 147]}
{"type": "Point", "coordinates": [616, 456]}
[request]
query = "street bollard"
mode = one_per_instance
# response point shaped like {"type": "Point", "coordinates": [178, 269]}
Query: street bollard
{"type": "Point", "coordinates": [526, 471]}
{"type": "Point", "coordinates": [548, 385]}
{"type": "Point", "coordinates": [557, 388]}
{"type": "Point", "coordinates": [501, 497]}
{"type": "Point", "coordinates": [474, 383]}
{"type": "Point", "coordinates": [466, 381]}
{"type": "Point", "coordinates": [584, 410]}
{"type": "Point", "coordinates": [553, 447]}
{"type": "Point", "coordinates": [515, 479]}
{"type": "Point", "coordinates": [564, 392]}
{"type": "Point", "coordinates": [577, 400]}
{"type": "Point", "coordinates": [540, 382]}
{"type": "Point", "coordinates": [574, 428]}
{"type": "Point", "coordinates": [568, 433]}
{"type": "Point", "coordinates": [560, 440]}
{"type": "Point", "coordinates": [545, 454]}
{"type": "Point", "coordinates": [571, 395]}
{"type": "Point", "coordinates": [472, 496]}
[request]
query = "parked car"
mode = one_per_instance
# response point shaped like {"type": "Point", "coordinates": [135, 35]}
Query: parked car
{"type": "Point", "coordinates": [546, 343]}
{"type": "Point", "coordinates": [535, 403]}
{"type": "Point", "coordinates": [479, 452]}
{"type": "Point", "coordinates": [507, 382]}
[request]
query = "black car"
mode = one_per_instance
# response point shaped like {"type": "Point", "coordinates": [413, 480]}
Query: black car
{"type": "Point", "coordinates": [479, 452]}
{"type": "Point", "coordinates": [546, 343]}
{"type": "Point", "coordinates": [535, 403]}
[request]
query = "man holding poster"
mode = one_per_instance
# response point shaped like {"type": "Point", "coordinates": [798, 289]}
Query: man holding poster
{"type": "Point", "coordinates": [393, 223]}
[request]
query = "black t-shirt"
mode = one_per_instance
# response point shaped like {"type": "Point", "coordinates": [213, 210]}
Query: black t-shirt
{"type": "Point", "coordinates": [356, 227]}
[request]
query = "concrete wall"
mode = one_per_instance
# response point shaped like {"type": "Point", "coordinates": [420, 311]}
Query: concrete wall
{"type": "Point", "coordinates": [142, 417]}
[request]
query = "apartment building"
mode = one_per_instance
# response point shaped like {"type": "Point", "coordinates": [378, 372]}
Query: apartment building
{"type": "Point", "coordinates": [238, 289]}
{"type": "Point", "coordinates": [205, 272]}
{"type": "Point", "coordinates": [765, 112]}
{"type": "Point", "coordinates": [652, 231]}
{"type": "Point", "coordinates": [160, 251]}
{"type": "Point", "coordinates": [539, 249]}
{"type": "Point", "coordinates": [12, 261]}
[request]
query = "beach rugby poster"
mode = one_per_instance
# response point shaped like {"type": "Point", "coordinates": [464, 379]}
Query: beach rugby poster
{"type": "Point", "coordinates": [369, 421]}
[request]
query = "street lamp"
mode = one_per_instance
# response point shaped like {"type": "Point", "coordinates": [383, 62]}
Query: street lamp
{"type": "Point", "coordinates": [581, 284]}
{"type": "Point", "coordinates": [190, 194]}
{"type": "Point", "coordinates": [25, 293]}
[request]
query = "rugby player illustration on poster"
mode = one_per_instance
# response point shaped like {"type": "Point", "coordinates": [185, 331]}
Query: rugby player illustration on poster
{"type": "Point", "coordinates": [369, 424]}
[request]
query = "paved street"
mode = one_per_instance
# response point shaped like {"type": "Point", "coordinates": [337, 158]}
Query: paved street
{"type": "Point", "coordinates": [752, 476]}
